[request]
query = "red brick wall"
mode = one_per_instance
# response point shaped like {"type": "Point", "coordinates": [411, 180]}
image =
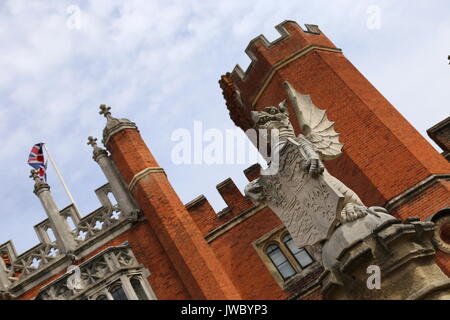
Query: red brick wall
{"type": "Point", "coordinates": [241, 262]}
{"type": "Point", "coordinates": [235, 249]}
{"type": "Point", "coordinates": [207, 219]}
{"type": "Point", "coordinates": [234, 199]}
{"type": "Point", "coordinates": [432, 199]}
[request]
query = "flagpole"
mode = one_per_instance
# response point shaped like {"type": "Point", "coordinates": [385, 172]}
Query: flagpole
{"type": "Point", "coordinates": [60, 177]}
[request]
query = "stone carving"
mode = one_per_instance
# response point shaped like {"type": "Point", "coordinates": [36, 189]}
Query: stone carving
{"type": "Point", "coordinates": [111, 261]}
{"type": "Point", "coordinates": [74, 282]}
{"type": "Point", "coordinates": [305, 204]}
{"type": "Point", "coordinates": [296, 185]}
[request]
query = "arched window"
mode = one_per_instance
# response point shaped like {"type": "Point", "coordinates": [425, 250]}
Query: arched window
{"type": "Point", "coordinates": [118, 293]}
{"type": "Point", "coordinates": [280, 261]}
{"type": "Point", "coordinates": [138, 289]}
{"type": "Point", "coordinates": [301, 255]}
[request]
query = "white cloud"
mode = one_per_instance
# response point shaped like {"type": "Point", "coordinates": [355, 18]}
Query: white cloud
{"type": "Point", "coordinates": [158, 63]}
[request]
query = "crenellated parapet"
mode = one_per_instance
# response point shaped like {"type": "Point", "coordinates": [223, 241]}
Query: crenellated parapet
{"type": "Point", "coordinates": [19, 273]}
{"type": "Point", "coordinates": [241, 89]}
{"type": "Point", "coordinates": [207, 219]}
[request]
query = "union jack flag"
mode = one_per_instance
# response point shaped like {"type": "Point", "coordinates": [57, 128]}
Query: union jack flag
{"type": "Point", "coordinates": [37, 161]}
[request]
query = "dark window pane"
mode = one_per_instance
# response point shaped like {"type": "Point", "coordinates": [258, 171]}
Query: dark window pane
{"type": "Point", "coordinates": [286, 270]}
{"type": "Point", "coordinates": [301, 255]}
{"type": "Point", "coordinates": [102, 297]}
{"type": "Point", "coordinates": [118, 293]}
{"type": "Point", "coordinates": [280, 261]}
{"type": "Point", "coordinates": [277, 257]}
{"type": "Point", "coordinates": [138, 289]}
{"type": "Point", "coordinates": [303, 258]}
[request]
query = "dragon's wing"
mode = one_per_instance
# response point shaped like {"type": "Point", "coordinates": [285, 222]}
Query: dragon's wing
{"type": "Point", "coordinates": [315, 125]}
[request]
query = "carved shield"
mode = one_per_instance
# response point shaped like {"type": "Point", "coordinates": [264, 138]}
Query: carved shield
{"type": "Point", "coordinates": [308, 206]}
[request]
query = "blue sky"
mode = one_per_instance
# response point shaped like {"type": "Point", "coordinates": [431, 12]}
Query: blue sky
{"type": "Point", "coordinates": [158, 63]}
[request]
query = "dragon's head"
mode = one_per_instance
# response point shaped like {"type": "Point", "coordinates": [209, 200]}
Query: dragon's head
{"type": "Point", "coordinates": [255, 192]}
{"type": "Point", "coordinates": [272, 118]}
{"type": "Point", "coordinates": [273, 126]}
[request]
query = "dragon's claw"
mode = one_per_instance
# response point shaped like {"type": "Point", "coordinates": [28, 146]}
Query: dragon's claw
{"type": "Point", "coordinates": [352, 212]}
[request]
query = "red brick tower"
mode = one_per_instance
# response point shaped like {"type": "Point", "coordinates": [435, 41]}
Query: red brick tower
{"type": "Point", "coordinates": [183, 243]}
{"type": "Point", "coordinates": [386, 161]}
{"type": "Point", "coordinates": [192, 252]}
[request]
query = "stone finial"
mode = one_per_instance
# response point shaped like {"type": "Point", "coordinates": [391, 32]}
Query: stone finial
{"type": "Point", "coordinates": [35, 176]}
{"type": "Point", "coordinates": [104, 110]}
{"type": "Point", "coordinates": [97, 150]}
{"type": "Point", "coordinates": [92, 141]}
{"type": "Point", "coordinates": [39, 185]}
{"type": "Point", "coordinates": [113, 125]}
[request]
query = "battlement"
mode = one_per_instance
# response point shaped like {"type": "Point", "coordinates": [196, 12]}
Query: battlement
{"type": "Point", "coordinates": [241, 89]}
{"type": "Point", "coordinates": [203, 213]}
{"type": "Point", "coordinates": [38, 263]}
{"type": "Point", "coordinates": [292, 38]}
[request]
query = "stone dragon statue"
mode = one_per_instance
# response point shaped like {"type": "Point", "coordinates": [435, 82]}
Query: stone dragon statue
{"type": "Point", "coordinates": [319, 142]}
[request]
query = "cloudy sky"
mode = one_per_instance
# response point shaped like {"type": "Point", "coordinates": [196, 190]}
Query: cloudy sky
{"type": "Point", "coordinates": [158, 63]}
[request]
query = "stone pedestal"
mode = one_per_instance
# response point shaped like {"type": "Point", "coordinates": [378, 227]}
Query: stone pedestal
{"type": "Point", "coordinates": [5, 296]}
{"type": "Point", "coordinates": [118, 187]}
{"type": "Point", "coordinates": [64, 238]}
{"type": "Point", "coordinates": [402, 253]}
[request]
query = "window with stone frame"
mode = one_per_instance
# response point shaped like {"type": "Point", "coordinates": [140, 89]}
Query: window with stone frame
{"type": "Point", "coordinates": [128, 287]}
{"type": "Point", "coordinates": [285, 261]}
{"type": "Point", "coordinates": [280, 261]}
{"type": "Point", "coordinates": [300, 254]}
